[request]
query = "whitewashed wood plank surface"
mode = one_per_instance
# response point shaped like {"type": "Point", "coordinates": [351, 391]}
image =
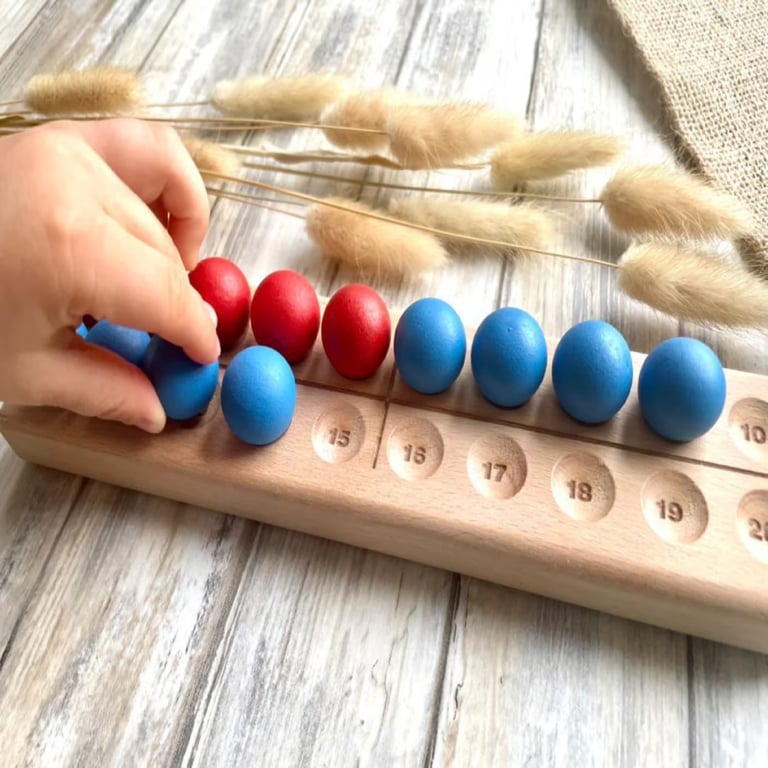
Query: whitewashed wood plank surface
{"type": "Point", "coordinates": [16, 16]}
{"type": "Point", "coordinates": [105, 664]}
{"type": "Point", "coordinates": [331, 657]}
{"type": "Point", "coordinates": [33, 502]}
{"type": "Point", "coordinates": [729, 699]}
{"type": "Point", "coordinates": [161, 621]}
{"type": "Point", "coordinates": [385, 677]}
{"type": "Point", "coordinates": [412, 677]}
{"type": "Point", "coordinates": [543, 665]}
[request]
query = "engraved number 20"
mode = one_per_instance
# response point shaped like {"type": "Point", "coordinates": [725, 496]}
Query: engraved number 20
{"type": "Point", "coordinates": [758, 530]}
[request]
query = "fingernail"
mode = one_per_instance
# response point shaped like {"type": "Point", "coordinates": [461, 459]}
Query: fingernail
{"type": "Point", "coordinates": [212, 312]}
{"type": "Point", "coordinates": [152, 426]}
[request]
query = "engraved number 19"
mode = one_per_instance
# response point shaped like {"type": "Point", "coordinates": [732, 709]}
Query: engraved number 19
{"type": "Point", "coordinates": [672, 511]}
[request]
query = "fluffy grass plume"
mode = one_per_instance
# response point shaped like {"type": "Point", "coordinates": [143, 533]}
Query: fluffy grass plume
{"type": "Point", "coordinates": [687, 284]}
{"type": "Point", "coordinates": [284, 98]}
{"type": "Point", "coordinates": [523, 225]}
{"type": "Point", "coordinates": [99, 90]}
{"type": "Point", "coordinates": [369, 245]}
{"type": "Point", "coordinates": [426, 136]}
{"type": "Point", "coordinates": [548, 154]}
{"type": "Point", "coordinates": [662, 201]}
{"type": "Point", "coordinates": [366, 109]}
{"type": "Point", "coordinates": [210, 158]}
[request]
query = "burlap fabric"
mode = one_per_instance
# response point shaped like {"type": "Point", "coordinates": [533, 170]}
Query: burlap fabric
{"type": "Point", "coordinates": [711, 60]}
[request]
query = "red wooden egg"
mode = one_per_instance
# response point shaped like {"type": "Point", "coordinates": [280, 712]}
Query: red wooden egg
{"type": "Point", "coordinates": [285, 314]}
{"type": "Point", "coordinates": [224, 286]}
{"type": "Point", "coordinates": [356, 331]}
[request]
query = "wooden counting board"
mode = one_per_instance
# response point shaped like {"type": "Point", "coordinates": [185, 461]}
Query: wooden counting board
{"type": "Point", "coordinates": [610, 517]}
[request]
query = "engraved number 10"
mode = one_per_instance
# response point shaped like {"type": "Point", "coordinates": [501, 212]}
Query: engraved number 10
{"type": "Point", "coordinates": [754, 434]}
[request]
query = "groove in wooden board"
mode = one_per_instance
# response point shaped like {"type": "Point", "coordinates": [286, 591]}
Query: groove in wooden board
{"type": "Point", "coordinates": [442, 512]}
{"type": "Point", "coordinates": [109, 654]}
{"type": "Point", "coordinates": [339, 662]}
{"type": "Point", "coordinates": [505, 644]}
{"type": "Point", "coordinates": [725, 444]}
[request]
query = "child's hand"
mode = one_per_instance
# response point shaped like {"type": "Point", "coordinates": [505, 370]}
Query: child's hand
{"type": "Point", "coordinates": [81, 206]}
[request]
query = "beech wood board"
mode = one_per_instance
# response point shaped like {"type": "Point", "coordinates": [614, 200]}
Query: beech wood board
{"type": "Point", "coordinates": [139, 631]}
{"type": "Point", "coordinates": [610, 517]}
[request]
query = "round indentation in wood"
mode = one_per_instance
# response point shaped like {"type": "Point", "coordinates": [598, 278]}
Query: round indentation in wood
{"type": "Point", "coordinates": [496, 466]}
{"type": "Point", "coordinates": [752, 521]}
{"type": "Point", "coordinates": [415, 449]}
{"type": "Point", "coordinates": [748, 428]}
{"type": "Point", "coordinates": [674, 507]}
{"type": "Point", "coordinates": [583, 486]}
{"type": "Point", "coordinates": [338, 433]}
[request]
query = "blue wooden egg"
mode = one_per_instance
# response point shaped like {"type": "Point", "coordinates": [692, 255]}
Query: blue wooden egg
{"type": "Point", "coordinates": [681, 389]}
{"type": "Point", "coordinates": [592, 371]}
{"type": "Point", "coordinates": [430, 346]}
{"type": "Point", "coordinates": [185, 387]}
{"type": "Point", "coordinates": [129, 343]}
{"type": "Point", "coordinates": [258, 395]}
{"type": "Point", "coordinates": [509, 357]}
{"type": "Point", "coordinates": [82, 330]}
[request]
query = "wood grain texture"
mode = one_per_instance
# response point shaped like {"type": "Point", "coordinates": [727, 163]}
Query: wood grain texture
{"type": "Point", "coordinates": [525, 679]}
{"type": "Point", "coordinates": [536, 682]}
{"type": "Point", "coordinates": [691, 570]}
{"type": "Point", "coordinates": [16, 16]}
{"type": "Point", "coordinates": [34, 504]}
{"type": "Point", "coordinates": [105, 664]}
{"type": "Point", "coordinates": [729, 696]}
{"type": "Point", "coordinates": [587, 76]}
{"type": "Point", "coordinates": [340, 666]}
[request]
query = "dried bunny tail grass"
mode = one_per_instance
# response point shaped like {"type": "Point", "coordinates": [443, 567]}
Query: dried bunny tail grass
{"type": "Point", "coordinates": [210, 158]}
{"type": "Point", "coordinates": [371, 245]}
{"type": "Point", "coordinates": [100, 90]}
{"type": "Point", "coordinates": [548, 154]}
{"type": "Point", "coordinates": [522, 225]}
{"type": "Point", "coordinates": [691, 285]}
{"type": "Point", "coordinates": [426, 136]}
{"type": "Point", "coordinates": [285, 98]}
{"type": "Point", "coordinates": [364, 109]}
{"type": "Point", "coordinates": [672, 203]}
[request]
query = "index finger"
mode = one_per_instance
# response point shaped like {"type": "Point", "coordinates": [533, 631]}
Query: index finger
{"type": "Point", "coordinates": [152, 161]}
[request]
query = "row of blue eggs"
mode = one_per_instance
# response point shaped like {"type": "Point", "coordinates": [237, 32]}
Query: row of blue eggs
{"type": "Point", "coordinates": [681, 386]}
{"type": "Point", "coordinates": [258, 389]}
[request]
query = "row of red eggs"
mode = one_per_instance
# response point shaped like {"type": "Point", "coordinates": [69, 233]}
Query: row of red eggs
{"type": "Point", "coordinates": [284, 313]}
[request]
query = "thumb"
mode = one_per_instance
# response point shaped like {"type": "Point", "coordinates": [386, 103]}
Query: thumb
{"type": "Point", "coordinates": [95, 382]}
